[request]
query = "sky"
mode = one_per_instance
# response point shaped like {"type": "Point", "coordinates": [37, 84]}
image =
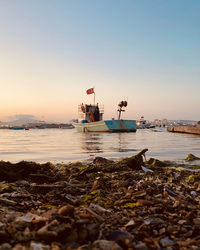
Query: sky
{"type": "Point", "coordinates": [143, 51]}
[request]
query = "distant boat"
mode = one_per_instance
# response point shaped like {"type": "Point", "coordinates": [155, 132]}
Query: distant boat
{"type": "Point", "coordinates": [17, 128]}
{"type": "Point", "coordinates": [142, 123]}
{"type": "Point", "coordinates": [152, 126]}
{"type": "Point", "coordinates": [91, 119]}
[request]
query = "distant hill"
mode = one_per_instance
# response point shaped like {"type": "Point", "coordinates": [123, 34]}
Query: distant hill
{"type": "Point", "coordinates": [20, 120]}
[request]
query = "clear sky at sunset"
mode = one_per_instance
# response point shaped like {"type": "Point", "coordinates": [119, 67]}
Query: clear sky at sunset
{"type": "Point", "coordinates": [147, 51]}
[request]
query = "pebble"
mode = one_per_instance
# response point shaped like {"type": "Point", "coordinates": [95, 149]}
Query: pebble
{"type": "Point", "coordinates": [5, 246]}
{"type": "Point", "coordinates": [67, 210]}
{"type": "Point", "coordinates": [105, 245]}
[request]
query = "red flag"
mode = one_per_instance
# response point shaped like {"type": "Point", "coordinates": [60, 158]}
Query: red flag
{"type": "Point", "coordinates": [90, 91]}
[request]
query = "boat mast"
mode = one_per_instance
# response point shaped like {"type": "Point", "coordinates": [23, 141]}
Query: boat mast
{"type": "Point", "coordinates": [121, 104]}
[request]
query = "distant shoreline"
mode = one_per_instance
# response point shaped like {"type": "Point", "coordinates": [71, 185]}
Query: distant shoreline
{"type": "Point", "coordinates": [41, 126]}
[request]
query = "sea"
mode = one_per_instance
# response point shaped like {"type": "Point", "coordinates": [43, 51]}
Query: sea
{"type": "Point", "coordinates": [68, 145]}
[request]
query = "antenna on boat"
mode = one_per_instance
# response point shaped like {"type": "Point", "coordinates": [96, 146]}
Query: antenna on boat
{"type": "Point", "coordinates": [121, 105]}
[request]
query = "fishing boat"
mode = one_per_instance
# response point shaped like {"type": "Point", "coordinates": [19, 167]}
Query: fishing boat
{"type": "Point", "coordinates": [90, 119]}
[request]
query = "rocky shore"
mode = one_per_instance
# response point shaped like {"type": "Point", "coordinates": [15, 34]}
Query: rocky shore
{"type": "Point", "coordinates": [126, 204]}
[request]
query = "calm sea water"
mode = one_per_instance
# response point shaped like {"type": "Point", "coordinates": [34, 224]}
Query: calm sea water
{"type": "Point", "coordinates": [64, 145]}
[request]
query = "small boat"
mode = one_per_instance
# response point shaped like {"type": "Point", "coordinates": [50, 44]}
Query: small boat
{"type": "Point", "coordinates": [142, 123]}
{"type": "Point", "coordinates": [152, 126]}
{"type": "Point", "coordinates": [17, 128]}
{"type": "Point", "coordinates": [90, 119]}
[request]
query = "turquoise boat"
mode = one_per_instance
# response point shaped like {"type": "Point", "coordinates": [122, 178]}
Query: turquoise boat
{"type": "Point", "coordinates": [17, 128]}
{"type": "Point", "coordinates": [91, 120]}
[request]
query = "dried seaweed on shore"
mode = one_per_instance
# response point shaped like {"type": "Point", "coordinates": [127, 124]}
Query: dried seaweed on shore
{"type": "Point", "coordinates": [126, 204]}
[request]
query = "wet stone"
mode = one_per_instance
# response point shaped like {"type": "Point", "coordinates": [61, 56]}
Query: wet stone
{"type": "Point", "coordinates": [105, 245]}
{"type": "Point", "coordinates": [196, 221]}
{"type": "Point", "coordinates": [5, 246]}
{"type": "Point", "coordinates": [165, 242]}
{"type": "Point", "coordinates": [141, 246]}
{"type": "Point", "coordinates": [123, 238]}
{"type": "Point", "coordinates": [67, 210]}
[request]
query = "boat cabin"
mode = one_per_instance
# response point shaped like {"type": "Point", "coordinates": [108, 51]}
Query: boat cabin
{"type": "Point", "coordinates": [90, 113]}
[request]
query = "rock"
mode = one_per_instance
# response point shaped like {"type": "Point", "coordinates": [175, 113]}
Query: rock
{"type": "Point", "coordinates": [29, 217]}
{"type": "Point", "coordinates": [99, 208]}
{"type": "Point", "coordinates": [83, 234]}
{"type": "Point", "coordinates": [123, 238]}
{"type": "Point", "coordinates": [156, 163]}
{"type": "Point", "coordinates": [4, 236]}
{"type": "Point", "coordinates": [93, 231]}
{"type": "Point", "coordinates": [192, 157]}
{"type": "Point", "coordinates": [84, 247]}
{"type": "Point", "coordinates": [54, 231]}
{"type": "Point", "coordinates": [186, 243]}
{"type": "Point", "coordinates": [135, 162]}
{"type": "Point", "coordinates": [96, 185]}
{"type": "Point", "coordinates": [23, 170]}
{"type": "Point", "coordinates": [72, 236]}
{"type": "Point", "coordinates": [5, 246]}
{"type": "Point", "coordinates": [19, 247]}
{"type": "Point", "coordinates": [8, 202]}
{"type": "Point", "coordinates": [139, 193]}
{"type": "Point", "coordinates": [38, 246]}
{"type": "Point", "coordinates": [105, 245]}
{"type": "Point", "coordinates": [162, 230]}
{"type": "Point", "coordinates": [166, 242]}
{"type": "Point", "coordinates": [47, 233]}
{"type": "Point", "coordinates": [181, 222]}
{"type": "Point", "coordinates": [193, 193]}
{"type": "Point", "coordinates": [67, 210]}
{"type": "Point", "coordinates": [141, 246]}
{"type": "Point", "coordinates": [170, 192]}
{"type": "Point", "coordinates": [196, 221]}
{"type": "Point", "coordinates": [130, 224]}
{"type": "Point", "coordinates": [101, 161]}
{"type": "Point", "coordinates": [6, 188]}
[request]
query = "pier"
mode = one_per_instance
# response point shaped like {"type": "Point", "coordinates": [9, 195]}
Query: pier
{"type": "Point", "coordinates": [184, 129]}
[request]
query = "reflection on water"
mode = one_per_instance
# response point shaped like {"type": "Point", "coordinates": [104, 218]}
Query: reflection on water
{"type": "Point", "coordinates": [63, 145]}
{"type": "Point", "coordinates": [91, 143]}
{"type": "Point", "coordinates": [122, 145]}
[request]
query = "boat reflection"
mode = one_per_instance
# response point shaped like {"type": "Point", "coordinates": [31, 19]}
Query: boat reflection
{"type": "Point", "coordinates": [94, 143]}
{"type": "Point", "coordinates": [91, 143]}
{"type": "Point", "coordinates": [123, 143]}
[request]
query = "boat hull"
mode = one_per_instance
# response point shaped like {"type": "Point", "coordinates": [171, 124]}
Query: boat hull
{"type": "Point", "coordinates": [107, 126]}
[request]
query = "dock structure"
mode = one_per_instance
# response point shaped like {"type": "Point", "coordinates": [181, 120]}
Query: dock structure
{"type": "Point", "coordinates": [184, 129]}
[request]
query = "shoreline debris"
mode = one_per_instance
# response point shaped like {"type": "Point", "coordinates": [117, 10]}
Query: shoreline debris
{"type": "Point", "coordinates": [127, 204]}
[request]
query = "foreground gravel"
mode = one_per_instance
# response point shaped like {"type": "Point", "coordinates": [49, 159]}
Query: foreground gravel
{"type": "Point", "coordinates": [127, 204]}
